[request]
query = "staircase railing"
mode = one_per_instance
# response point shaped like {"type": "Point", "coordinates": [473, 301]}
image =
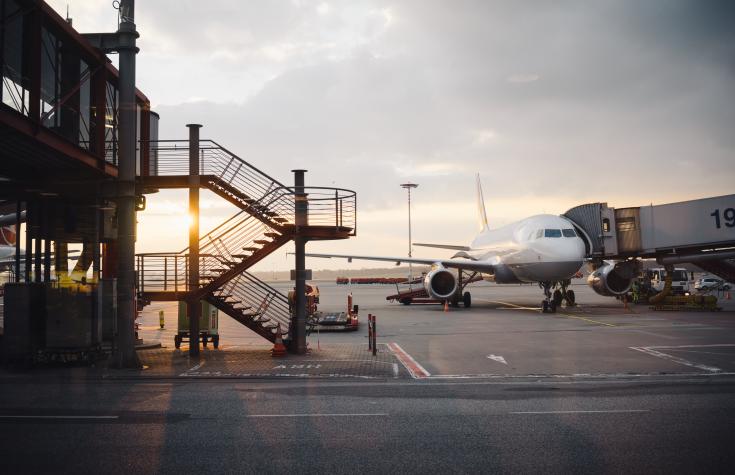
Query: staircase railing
{"type": "Point", "coordinates": [265, 304]}
{"type": "Point", "coordinates": [172, 158]}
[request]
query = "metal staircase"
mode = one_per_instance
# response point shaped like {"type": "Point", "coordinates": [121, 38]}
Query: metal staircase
{"type": "Point", "coordinates": [265, 223]}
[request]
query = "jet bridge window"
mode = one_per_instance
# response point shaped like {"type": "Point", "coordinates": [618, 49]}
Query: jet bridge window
{"type": "Point", "coordinates": [568, 233]}
{"type": "Point", "coordinates": [552, 233]}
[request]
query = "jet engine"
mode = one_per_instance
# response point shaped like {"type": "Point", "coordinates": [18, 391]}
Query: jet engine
{"type": "Point", "coordinates": [440, 284]}
{"type": "Point", "coordinates": [613, 278]}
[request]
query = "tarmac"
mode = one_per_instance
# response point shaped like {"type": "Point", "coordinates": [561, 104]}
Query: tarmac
{"type": "Point", "coordinates": [504, 335]}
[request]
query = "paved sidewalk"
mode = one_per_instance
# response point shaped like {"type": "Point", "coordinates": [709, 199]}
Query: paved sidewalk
{"type": "Point", "coordinates": [333, 361]}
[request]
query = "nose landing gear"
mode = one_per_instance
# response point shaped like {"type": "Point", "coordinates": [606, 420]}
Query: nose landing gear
{"type": "Point", "coordinates": [561, 294]}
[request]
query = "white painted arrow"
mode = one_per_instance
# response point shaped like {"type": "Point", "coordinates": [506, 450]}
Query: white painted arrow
{"type": "Point", "coordinates": [497, 358]}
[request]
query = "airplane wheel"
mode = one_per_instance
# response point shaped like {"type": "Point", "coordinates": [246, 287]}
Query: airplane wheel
{"type": "Point", "coordinates": [467, 300]}
{"type": "Point", "coordinates": [557, 298]}
{"type": "Point", "coordinates": [204, 340]}
{"type": "Point", "coordinates": [552, 306]}
{"type": "Point", "coordinates": [545, 306]}
{"type": "Point", "coordinates": [215, 341]}
{"type": "Point", "coordinates": [177, 341]}
{"type": "Point", "coordinates": [406, 302]}
{"type": "Point", "coordinates": [570, 298]}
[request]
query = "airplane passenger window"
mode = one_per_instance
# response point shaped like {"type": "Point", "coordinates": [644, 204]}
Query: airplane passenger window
{"type": "Point", "coordinates": [569, 233]}
{"type": "Point", "coordinates": [552, 233]}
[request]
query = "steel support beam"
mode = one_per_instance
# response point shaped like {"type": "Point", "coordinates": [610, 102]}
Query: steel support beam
{"type": "Point", "coordinates": [18, 215]}
{"type": "Point", "coordinates": [298, 323]}
{"type": "Point", "coordinates": [193, 307]}
{"type": "Point", "coordinates": [125, 356]}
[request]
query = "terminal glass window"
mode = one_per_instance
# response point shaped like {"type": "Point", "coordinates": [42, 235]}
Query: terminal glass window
{"type": "Point", "coordinates": [15, 85]}
{"type": "Point", "coordinates": [111, 120]}
{"type": "Point", "coordinates": [50, 80]}
{"type": "Point", "coordinates": [85, 106]}
{"type": "Point", "coordinates": [552, 233]}
{"type": "Point", "coordinates": [568, 233]}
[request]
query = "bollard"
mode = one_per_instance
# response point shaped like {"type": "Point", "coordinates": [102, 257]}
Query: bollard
{"type": "Point", "coordinates": [375, 337]}
{"type": "Point", "coordinates": [160, 318]}
{"type": "Point", "coordinates": [370, 331]}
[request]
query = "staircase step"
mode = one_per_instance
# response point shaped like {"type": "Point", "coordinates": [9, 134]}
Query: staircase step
{"type": "Point", "coordinates": [278, 219]}
{"type": "Point", "coordinates": [251, 249]}
{"type": "Point", "coordinates": [271, 235]}
{"type": "Point", "coordinates": [262, 241]}
{"type": "Point", "coordinates": [241, 256]}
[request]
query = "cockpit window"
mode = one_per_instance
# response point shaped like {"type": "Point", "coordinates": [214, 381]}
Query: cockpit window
{"type": "Point", "coordinates": [552, 233]}
{"type": "Point", "coordinates": [568, 233]}
{"type": "Point", "coordinates": [539, 233]}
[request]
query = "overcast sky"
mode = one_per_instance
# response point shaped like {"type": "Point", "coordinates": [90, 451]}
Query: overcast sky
{"type": "Point", "coordinates": [554, 104]}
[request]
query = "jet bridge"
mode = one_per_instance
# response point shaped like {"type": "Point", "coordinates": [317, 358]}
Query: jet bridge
{"type": "Point", "coordinates": [698, 231]}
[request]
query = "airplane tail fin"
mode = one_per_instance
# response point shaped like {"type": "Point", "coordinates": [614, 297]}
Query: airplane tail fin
{"type": "Point", "coordinates": [481, 214]}
{"type": "Point", "coordinates": [7, 236]}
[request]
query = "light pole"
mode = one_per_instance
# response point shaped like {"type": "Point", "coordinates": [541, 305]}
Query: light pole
{"type": "Point", "coordinates": [408, 187]}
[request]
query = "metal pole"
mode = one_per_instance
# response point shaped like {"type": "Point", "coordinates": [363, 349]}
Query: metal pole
{"type": "Point", "coordinates": [30, 216]}
{"type": "Point", "coordinates": [17, 241]}
{"type": "Point", "coordinates": [193, 307]}
{"type": "Point", "coordinates": [298, 342]}
{"type": "Point", "coordinates": [126, 356]}
{"type": "Point", "coordinates": [408, 187]}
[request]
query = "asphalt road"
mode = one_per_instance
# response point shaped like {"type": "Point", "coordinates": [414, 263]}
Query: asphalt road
{"type": "Point", "coordinates": [595, 388]}
{"type": "Point", "coordinates": [652, 426]}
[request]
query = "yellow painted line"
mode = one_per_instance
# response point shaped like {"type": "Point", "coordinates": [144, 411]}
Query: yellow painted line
{"type": "Point", "coordinates": [557, 313]}
{"type": "Point", "coordinates": [587, 319]}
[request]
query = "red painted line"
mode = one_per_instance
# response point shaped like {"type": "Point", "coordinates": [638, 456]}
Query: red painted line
{"type": "Point", "coordinates": [417, 371]}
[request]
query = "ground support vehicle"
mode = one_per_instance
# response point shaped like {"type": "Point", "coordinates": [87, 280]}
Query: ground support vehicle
{"type": "Point", "coordinates": [208, 325]}
{"type": "Point", "coordinates": [417, 294]}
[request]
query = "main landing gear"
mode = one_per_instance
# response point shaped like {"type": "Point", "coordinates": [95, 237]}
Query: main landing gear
{"type": "Point", "coordinates": [561, 294]}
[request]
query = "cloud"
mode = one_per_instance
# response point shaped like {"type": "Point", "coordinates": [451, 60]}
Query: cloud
{"type": "Point", "coordinates": [523, 78]}
{"type": "Point", "coordinates": [568, 102]}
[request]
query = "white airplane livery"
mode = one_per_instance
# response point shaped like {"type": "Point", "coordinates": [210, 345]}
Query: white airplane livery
{"type": "Point", "coordinates": [543, 248]}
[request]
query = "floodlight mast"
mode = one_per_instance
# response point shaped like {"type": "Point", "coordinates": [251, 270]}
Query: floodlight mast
{"type": "Point", "coordinates": [408, 187]}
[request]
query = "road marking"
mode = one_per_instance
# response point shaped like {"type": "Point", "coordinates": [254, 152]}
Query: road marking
{"type": "Point", "coordinates": [690, 346]}
{"type": "Point", "coordinates": [561, 314]}
{"type": "Point", "coordinates": [60, 417]}
{"type": "Point", "coordinates": [601, 411]}
{"type": "Point", "coordinates": [379, 414]}
{"type": "Point", "coordinates": [416, 370]}
{"type": "Point", "coordinates": [674, 359]}
{"type": "Point", "coordinates": [196, 367]}
{"type": "Point", "coordinates": [497, 358]}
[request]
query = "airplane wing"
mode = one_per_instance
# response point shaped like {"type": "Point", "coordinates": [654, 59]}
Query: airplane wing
{"type": "Point", "coordinates": [443, 246]}
{"type": "Point", "coordinates": [467, 264]}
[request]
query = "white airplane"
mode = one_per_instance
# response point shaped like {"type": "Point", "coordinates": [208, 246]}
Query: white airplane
{"type": "Point", "coordinates": [543, 248]}
{"type": "Point", "coordinates": [7, 243]}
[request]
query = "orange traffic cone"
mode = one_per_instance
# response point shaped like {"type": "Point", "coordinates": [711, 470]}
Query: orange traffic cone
{"type": "Point", "coordinates": [446, 305]}
{"type": "Point", "coordinates": [279, 349]}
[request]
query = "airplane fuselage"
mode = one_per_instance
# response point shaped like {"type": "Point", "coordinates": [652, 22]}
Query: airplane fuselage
{"type": "Point", "coordinates": [541, 248]}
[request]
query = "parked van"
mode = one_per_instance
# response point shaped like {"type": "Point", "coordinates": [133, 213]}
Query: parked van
{"type": "Point", "coordinates": [679, 280]}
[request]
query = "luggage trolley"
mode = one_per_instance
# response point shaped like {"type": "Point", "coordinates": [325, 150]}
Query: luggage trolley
{"type": "Point", "coordinates": [208, 325]}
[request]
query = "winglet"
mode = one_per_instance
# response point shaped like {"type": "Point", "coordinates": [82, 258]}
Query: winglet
{"type": "Point", "coordinates": [481, 214]}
